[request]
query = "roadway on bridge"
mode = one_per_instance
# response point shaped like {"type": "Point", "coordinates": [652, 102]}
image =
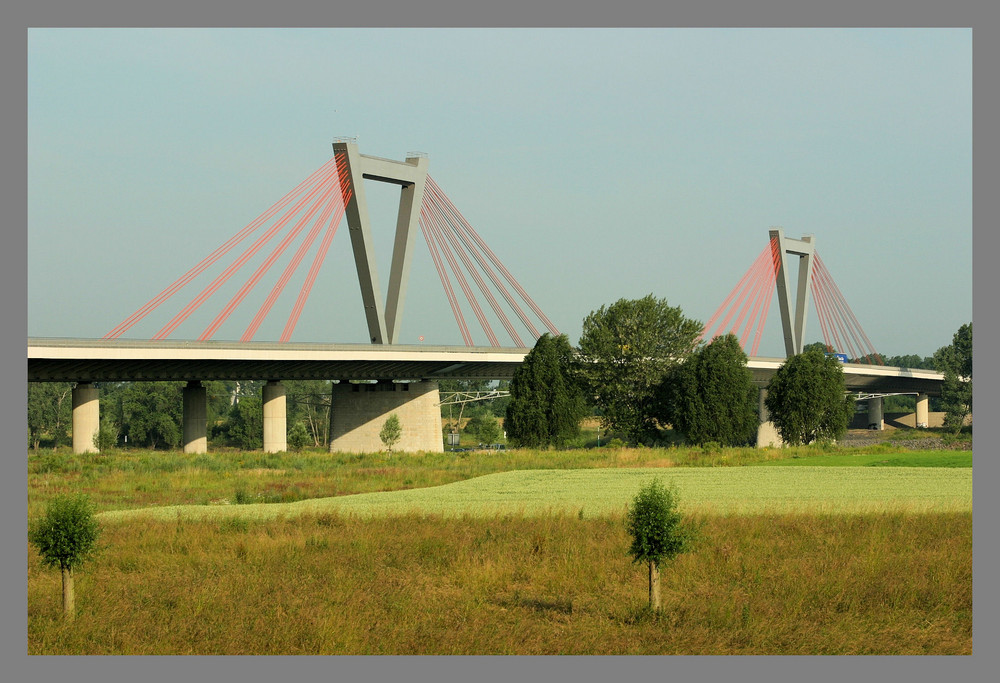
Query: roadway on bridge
{"type": "Point", "coordinates": [101, 360]}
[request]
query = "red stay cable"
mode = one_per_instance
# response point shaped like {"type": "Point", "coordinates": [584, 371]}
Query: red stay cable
{"type": "Point", "coordinates": [279, 286]}
{"type": "Point", "coordinates": [214, 256]}
{"type": "Point", "coordinates": [433, 224]}
{"type": "Point", "coordinates": [459, 247]}
{"type": "Point", "coordinates": [267, 264]}
{"type": "Point", "coordinates": [445, 280]}
{"type": "Point", "coordinates": [725, 304]}
{"type": "Point", "coordinates": [503, 270]}
{"type": "Point", "coordinates": [318, 259]}
{"type": "Point", "coordinates": [221, 279]}
{"type": "Point", "coordinates": [861, 331]}
{"type": "Point", "coordinates": [475, 247]}
{"type": "Point", "coordinates": [772, 276]}
{"type": "Point", "coordinates": [336, 205]}
{"type": "Point", "coordinates": [748, 280]}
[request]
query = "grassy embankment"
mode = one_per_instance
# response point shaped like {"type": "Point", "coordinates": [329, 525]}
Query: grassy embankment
{"type": "Point", "coordinates": [824, 582]}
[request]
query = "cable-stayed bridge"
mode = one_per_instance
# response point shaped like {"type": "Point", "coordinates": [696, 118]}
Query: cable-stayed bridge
{"type": "Point", "coordinates": [382, 376]}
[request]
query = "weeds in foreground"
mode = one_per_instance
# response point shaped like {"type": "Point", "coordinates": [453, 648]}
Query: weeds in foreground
{"type": "Point", "coordinates": [888, 584]}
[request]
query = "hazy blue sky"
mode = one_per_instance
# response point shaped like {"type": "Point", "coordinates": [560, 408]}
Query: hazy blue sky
{"type": "Point", "coordinates": [598, 164]}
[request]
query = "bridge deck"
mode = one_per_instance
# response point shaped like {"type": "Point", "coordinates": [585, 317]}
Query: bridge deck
{"type": "Point", "coordinates": [100, 360]}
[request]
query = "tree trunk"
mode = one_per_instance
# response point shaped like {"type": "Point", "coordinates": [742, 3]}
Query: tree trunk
{"type": "Point", "coordinates": [69, 605]}
{"type": "Point", "coordinates": [654, 587]}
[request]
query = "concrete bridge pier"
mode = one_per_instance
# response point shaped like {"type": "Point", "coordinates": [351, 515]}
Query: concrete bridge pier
{"type": "Point", "coordinates": [86, 417]}
{"type": "Point", "coordinates": [360, 410]}
{"type": "Point", "coordinates": [275, 434]}
{"type": "Point", "coordinates": [875, 415]}
{"type": "Point", "coordinates": [767, 433]}
{"type": "Point", "coordinates": [921, 418]}
{"type": "Point", "coordinates": [195, 418]}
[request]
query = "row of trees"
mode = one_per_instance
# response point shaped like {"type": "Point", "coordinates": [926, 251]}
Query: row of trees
{"type": "Point", "coordinates": [641, 366]}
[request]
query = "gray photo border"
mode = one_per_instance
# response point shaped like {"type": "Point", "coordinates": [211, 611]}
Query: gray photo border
{"type": "Point", "coordinates": [455, 13]}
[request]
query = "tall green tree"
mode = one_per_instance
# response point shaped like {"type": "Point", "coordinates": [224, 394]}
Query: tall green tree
{"type": "Point", "coordinates": [808, 400]}
{"type": "Point", "coordinates": [955, 361]}
{"type": "Point", "coordinates": [712, 397]}
{"type": "Point", "coordinates": [625, 351]}
{"type": "Point", "coordinates": [546, 400]}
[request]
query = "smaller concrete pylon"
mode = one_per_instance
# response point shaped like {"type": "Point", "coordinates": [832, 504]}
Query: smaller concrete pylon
{"type": "Point", "coordinates": [923, 408]}
{"type": "Point", "coordinates": [360, 410]}
{"type": "Point", "coordinates": [275, 434]}
{"type": "Point", "coordinates": [876, 418]}
{"type": "Point", "coordinates": [767, 433]}
{"type": "Point", "coordinates": [195, 418]}
{"type": "Point", "coordinates": [86, 417]}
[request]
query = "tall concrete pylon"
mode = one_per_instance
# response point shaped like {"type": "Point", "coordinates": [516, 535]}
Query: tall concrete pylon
{"type": "Point", "coordinates": [410, 175]}
{"type": "Point", "coordinates": [794, 330]}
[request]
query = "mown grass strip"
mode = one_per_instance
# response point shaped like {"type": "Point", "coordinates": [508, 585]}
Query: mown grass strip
{"type": "Point", "coordinates": [750, 490]}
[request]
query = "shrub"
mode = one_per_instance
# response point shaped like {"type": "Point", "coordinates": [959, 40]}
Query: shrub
{"type": "Point", "coordinates": [298, 436]}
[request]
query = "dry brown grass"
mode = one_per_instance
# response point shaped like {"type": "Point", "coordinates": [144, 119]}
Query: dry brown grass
{"type": "Point", "coordinates": [767, 584]}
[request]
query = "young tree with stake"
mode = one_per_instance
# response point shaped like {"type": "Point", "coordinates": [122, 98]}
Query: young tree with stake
{"type": "Point", "coordinates": [659, 532]}
{"type": "Point", "coordinates": [65, 537]}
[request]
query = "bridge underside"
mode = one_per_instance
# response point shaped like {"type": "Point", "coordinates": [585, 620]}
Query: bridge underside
{"type": "Point", "coordinates": [133, 361]}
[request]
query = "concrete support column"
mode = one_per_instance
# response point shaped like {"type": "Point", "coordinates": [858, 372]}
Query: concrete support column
{"type": "Point", "coordinates": [360, 410]}
{"type": "Point", "coordinates": [767, 433]}
{"type": "Point", "coordinates": [86, 417]}
{"type": "Point", "coordinates": [923, 403]}
{"type": "Point", "coordinates": [275, 434]}
{"type": "Point", "coordinates": [195, 420]}
{"type": "Point", "coordinates": [875, 418]}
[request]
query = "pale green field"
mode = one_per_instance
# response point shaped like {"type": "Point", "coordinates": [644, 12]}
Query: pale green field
{"type": "Point", "coordinates": [599, 492]}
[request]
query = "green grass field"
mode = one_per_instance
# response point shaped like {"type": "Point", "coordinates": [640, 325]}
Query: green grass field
{"type": "Point", "coordinates": [841, 551]}
{"type": "Point", "coordinates": [596, 492]}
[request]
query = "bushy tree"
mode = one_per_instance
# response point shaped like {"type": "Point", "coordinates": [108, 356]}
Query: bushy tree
{"type": "Point", "coordinates": [808, 400]}
{"type": "Point", "coordinates": [65, 537]}
{"type": "Point", "coordinates": [955, 361]}
{"type": "Point", "coordinates": [546, 400]}
{"type": "Point", "coordinates": [149, 412]}
{"type": "Point", "coordinates": [391, 432]}
{"type": "Point", "coordinates": [298, 436]}
{"type": "Point", "coordinates": [245, 426]}
{"type": "Point", "coordinates": [483, 426]}
{"type": "Point", "coordinates": [106, 437]}
{"type": "Point", "coordinates": [658, 530]}
{"type": "Point", "coordinates": [712, 397]}
{"type": "Point", "coordinates": [626, 350]}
